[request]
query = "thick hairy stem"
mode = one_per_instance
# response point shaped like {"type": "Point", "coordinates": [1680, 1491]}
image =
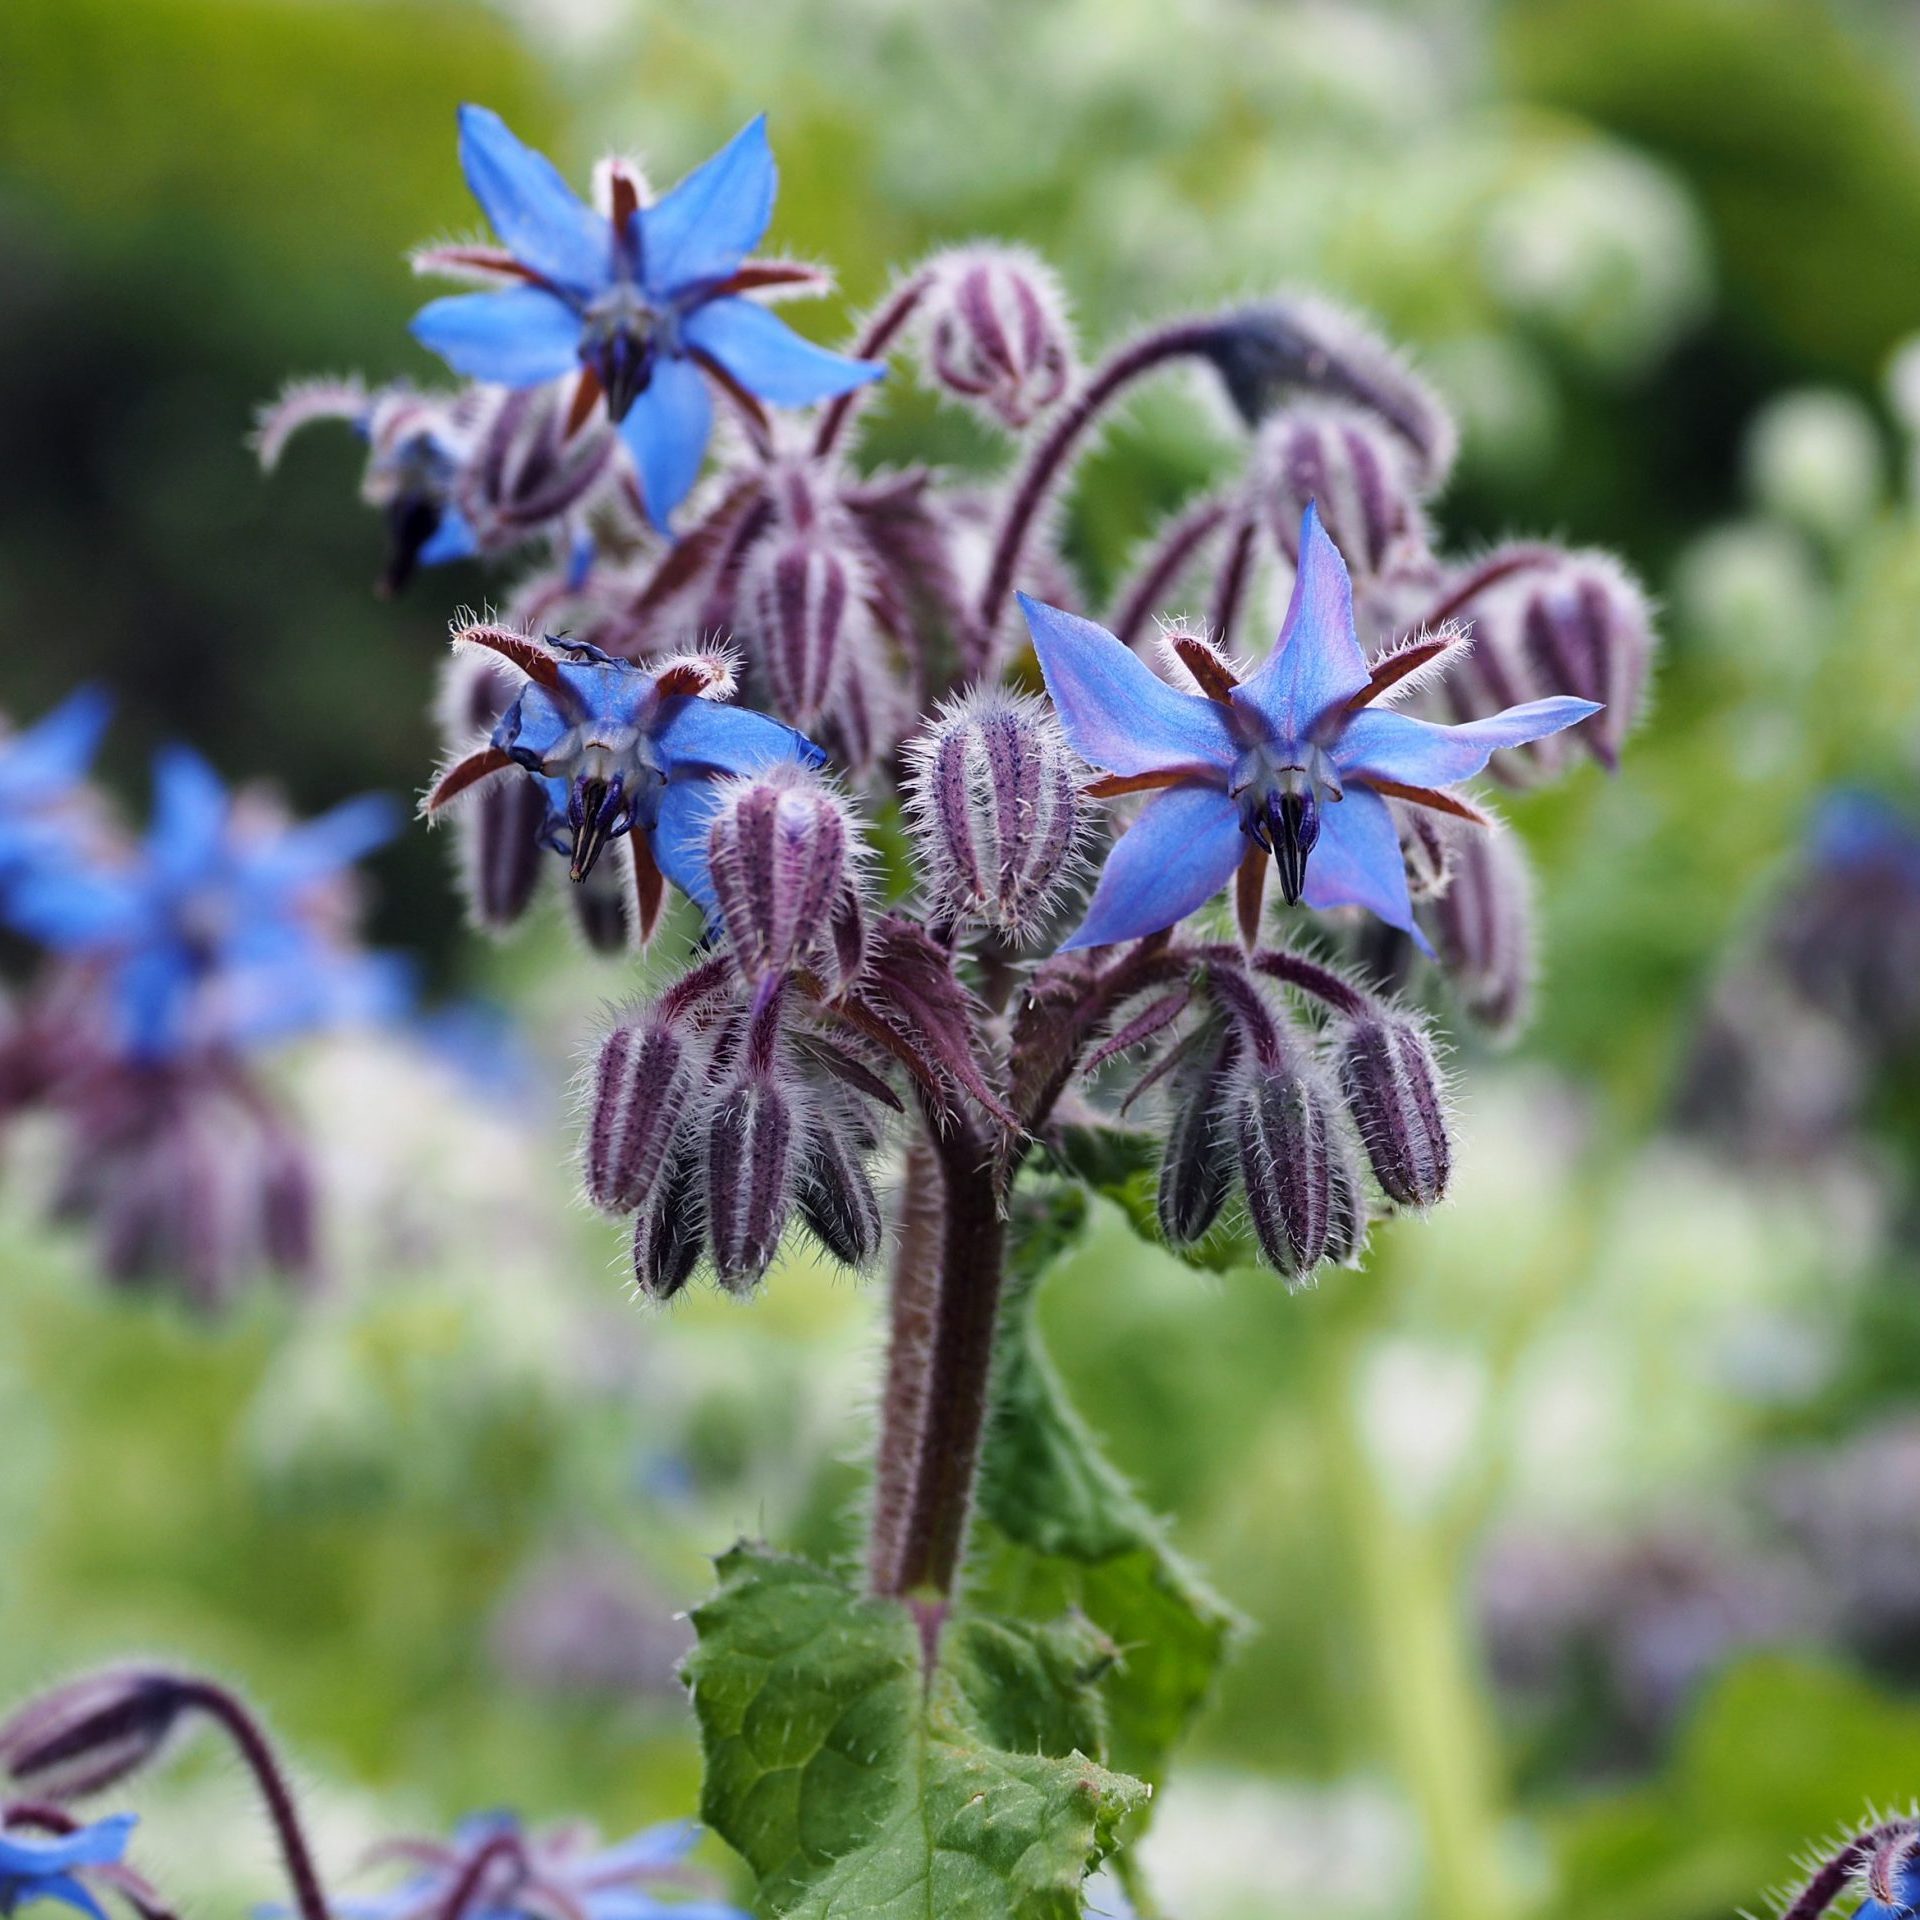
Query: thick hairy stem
{"type": "Point", "coordinates": [1489, 573]}
{"type": "Point", "coordinates": [1175, 545]}
{"type": "Point", "coordinates": [946, 1302]}
{"type": "Point", "coordinates": [247, 1735]}
{"type": "Point", "coordinates": [1830, 1879]}
{"type": "Point", "coordinates": [1047, 464]}
{"type": "Point", "coordinates": [875, 338]}
{"type": "Point", "coordinates": [1230, 584]}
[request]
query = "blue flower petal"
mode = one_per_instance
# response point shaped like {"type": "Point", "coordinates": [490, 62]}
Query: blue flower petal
{"type": "Point", "coordinates": [98, 1845]}
{"type": "Point", "coordinates": [1316, 663]}
{"type": "Point", "coordinates": [452, 539]}
{"type": "Point", "coordinates": [647, 1851]}
{"type": "Point", "coordinates": [190, 810]}
{"type": "Point", "coordinates": [303, 854]}
{"type": "Point", "coordinates": [55, 751]}
{"type": "Point", "coordinates": [1357, 862]}
{"type": "Point", "coordinates": [666, 432]}
{"type": "Point", "coordinates": [1180, 852]}
{"type": "Point", "coordinates": [542, 222]}
{"type": "Point", "coordinates": [680, 838]}
{"type": "Point", "coordinates": [515, 338]}
{"type": "Point", "coordinates": [55, 1886]}
{"type": "Point", "coordinates": [769, 359]}
{"type": "Point", "coordinates": [1387, 745]}
{"type": "Point", "coordinates": [1118, 713]}
{"type": "Point", "coordinates": [69, 908]}
{"type": "Point", "coordinates": [708, 736]}
{"type": "Point", "coordinates": [711, 221]}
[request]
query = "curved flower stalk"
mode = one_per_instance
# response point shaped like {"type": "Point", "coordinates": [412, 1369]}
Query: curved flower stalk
{"type": "Point", "coordinates": [175, 966]}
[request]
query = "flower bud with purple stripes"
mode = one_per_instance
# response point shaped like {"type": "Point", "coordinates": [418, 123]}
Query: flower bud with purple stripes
{"type": "Point", "coordinates": [835, 1192]}
{"type": "Point", "coordinates": [997, 335]}
{"type": "Point", "coordinates": [650, 1068]}
{"type": "Point", "coordinates": [1482, 928]}
{"type": "Point", "coordinates": [1197, 1161]}
{"type": "Point", "coordinates": [1286, 1133]}
{"type": "Point", "coordinates": [752, 1164]}
{"type": "Point", "coordinates": [89, 1734]}
{"type": "Point", "coordinates": [1362, 476]}
{"type": "Point", "coordinates": [804, 599]}
{"type": "Point", "coordinates": [993, 796]}
{"type": "Point", "coordinates": [1396, 1094]}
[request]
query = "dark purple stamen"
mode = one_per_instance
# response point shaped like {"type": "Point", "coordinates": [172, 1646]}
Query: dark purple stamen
{"type": "Point", "coordinates": [624, 362]}
{"type": "Point", "coordinates": [597, 813]}
{"type": "Point", "coordinates": [1288, 827]}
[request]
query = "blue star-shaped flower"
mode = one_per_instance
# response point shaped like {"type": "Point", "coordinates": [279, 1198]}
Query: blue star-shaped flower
{"type": "Point", "coordinates": [649, 300]}
{"type": "Point", "coordinates": [209, 934]}
{"type": "Point", "coordinates": [48, 1866]}
{"type": "Point", "coordinates": [623, 751]}
{"type": "Point", "coordinates": [1297, 761]}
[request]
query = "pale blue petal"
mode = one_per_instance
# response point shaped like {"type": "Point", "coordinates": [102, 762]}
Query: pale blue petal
{"type": "Point", "coordinates": [1357, 862]}
{"type": "Point", "coordinates": [680, 837]}
{"type": "Point", "coordinates": [453, 539]}
{"type": "Point", "coordinates": [769, 359]}
{"type": "Point", "coordinates": [1175, 857]}
{"type": "Point", "coordinates": [666, 432]}
{"type": "Point", "coordinates": [154, 989]}
{"type": "Point", "coordinates": [1380, 743]}
{"type": "Point", "coordinates": [56, 1886]}
{"type": "Point", "coordinates": [518, 337]}
{"type": "Point", "coordinates": [656, 1847]}
{"type": "Point", "coordinates": [713, 737]}
{"type": "Point", "coordinates": [1316, 663]}
{"type": "Point", "coordinates": [190, 810]}
{"type": "Point", "coordinates": [541, 221]}
{"type": "Point", "coordinates": [66, 908]}
{"type": "Point", "coordinates": [98, 1845]}
{"type": "Point", "coordinates": [55, 750]}
{"type": "Point", "coordinates": [1118, 713]}
{"type": "Point", "coordinates": [316, 848]}
{"type": "Point", "coordinates": [714, 218]}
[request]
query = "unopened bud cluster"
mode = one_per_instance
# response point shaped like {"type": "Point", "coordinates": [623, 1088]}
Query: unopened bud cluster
{"type": "Point", "coordinates": [996, 333]}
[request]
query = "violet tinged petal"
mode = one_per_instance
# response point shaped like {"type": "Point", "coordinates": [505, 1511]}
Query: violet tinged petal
{"type": "Point", "coordinates": [666, 431]}
{"type": "Point", "coordinates": [769, 359]}
{"type": "Point", "coordinates": [518, 337]}
{"type": "Point", "coordinates": [1116, 711]}
{"type": "Point", "coordinates": [1175, 857]}
{"type": "Point", "coordinates": [1388, 745]}
{"type": "Point", "coordinates": [542, 222]}
{"type": "Point", "coordinates": [645, 1852]}
{"type": "Point", "coordinates": [680, 838]}
{"type": "Point", "coordinates": [1357, 862]}
{"type": "Point", "coordinates": [704, 227]}
{"type": "Point", "coordinates": [713, 737]}
{"type": "Point", "coordinates": [1316, 663]}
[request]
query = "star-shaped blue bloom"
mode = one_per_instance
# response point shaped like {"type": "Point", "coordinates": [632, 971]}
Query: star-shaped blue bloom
{"type": "Point", "coordinates": [1297, 761]}
{"type": "Point", "coordinates": [40, 768]}
{"type": "Point", "coordinates": [649, 300]}
{"type": "Point", "coordinates": [623, 751]}
{"type": "Point", "coordinates": [209, 935]}
{"type": "Point", "coordinates": [48, 1866]}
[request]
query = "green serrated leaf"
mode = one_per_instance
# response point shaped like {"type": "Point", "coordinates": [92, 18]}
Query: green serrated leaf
{"type": "Point", "coordinates": [1062, 1531]}
{"type": "Point", "coordinates": [856, 1790]}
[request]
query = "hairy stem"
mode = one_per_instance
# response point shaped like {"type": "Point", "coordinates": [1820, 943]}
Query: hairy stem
{"type": "Point", "coordinates": [1230, 584]}
{"type": "Point", "coordinates": [256, 1750]}
{"type": "Point", "coordinates": [946, 1302]}
{"type": "Point", "coordinates": [1173, 547]}
{"type": "Point", "coordinates": [1830, 1878]}
{"type": "Point", "coordinates": [1047, 464]}
{"type": "Point", "coordinates": [1497, 567]}
{"type": "Point", "coordinates": [880, 332]}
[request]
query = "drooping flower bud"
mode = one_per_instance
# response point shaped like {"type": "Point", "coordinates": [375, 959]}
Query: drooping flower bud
{"type": "Point", "coordinates": [1482, 928]}
{"type": "Point", "coordinates": [600, 898]}
{"type": "Point", "coordinates": [997, 333]}
{"type": "Point", "coordinates": [804, 602]}
{"type": "Point", "coordinates": [1285, 1132]}
{"type": "Point", "coordinates": [670, 1233]}
{"type": "Point", "coordinates": [1359, 473]}
{"type": "Point", "coordinates": [750, 1178]}
{"type": "Point", "coordinates": [500, 840]}
{"type": "Point", "coordinates": [1347, 1218]}
{"type": "Point", "coordinates": [994, 797]}
{"type": "Point", "coordinates": [1197, 1161]}
{"type": "Point", "coordinates": [783, 852]}
{"type": "Point", "coordinates": [1397, 1097]}
{"type": "Point", "coordinates": [88, 1734]}
{"type": "Point", "coordinates": [1586, 630]}
{"type": "Point", "coordinates": [836, 1196]}
{"type": "Point", "coordinates": [643, 1081]}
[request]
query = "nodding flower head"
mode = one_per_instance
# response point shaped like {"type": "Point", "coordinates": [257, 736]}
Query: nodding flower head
{"type": "Point", "coordinates": [646, 303]}
{"type": "Point", "coordinates": [218, 931]}
{"type": "Point", "coordinates": [44, 1855]}
{"type": "Point", "coordinates": [994, 798]}
{"type": "Point", "coordinates": [997, 332]}
{"type": "Point", "coordinates": [89, 1734]}
{"type": "Point", "coordinates": [1297, 762]}
{"type": "Point", "coordinates": [624, 751]}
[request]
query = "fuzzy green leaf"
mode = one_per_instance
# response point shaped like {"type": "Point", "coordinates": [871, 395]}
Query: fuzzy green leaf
{"type": "Point", "coordinates": [858, 1791]}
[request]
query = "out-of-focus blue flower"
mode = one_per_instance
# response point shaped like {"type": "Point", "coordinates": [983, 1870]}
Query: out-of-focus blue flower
{"type": "Point", "coordinates": [41, 1866]}
{"type": "Point", "coordinates": [483, 1043]}
{"type": "Point", "coordinates": [620, 749]}
{"type": "Point", "coordinates": [1853, 829]}
{"type": "Point", "coordinates": [517, 1875]}
{"type": "Point", "coordinates": [650, 300]}
{"type": "Point", "coordinates": [39, 770]}
{"type": "Point", "coordinates": [1299, 759]}
{"type": "Point", "coordinates": [213, 932]}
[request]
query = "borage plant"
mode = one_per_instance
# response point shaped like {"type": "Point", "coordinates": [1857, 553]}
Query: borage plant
{"type": "Point", "coordinates": [745, 664]}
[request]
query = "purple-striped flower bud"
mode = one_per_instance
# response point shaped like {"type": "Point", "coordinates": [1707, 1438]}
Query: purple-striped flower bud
{"type": "Point", "coordinates": [993, 795]}
{"type": "Point", "coordinates": [997, 333]}
{"type": "Point", "coordinates": [1359, 473]}
{"type": "Point", "coordinates": [835, 1193]}
{"type": "Point", "coordinates": [642, 1084]}
{"type": "Point", "coordinates": [1286, 1134]}
{"type": "Point", "coordinates": [1347, 1218]}
{"type": "Point", "coordinates": [670, 1232]}
{"type": "Point", "coordinates": [1394, 1090]}
{"type": "Point", "coordinates": [498, 826]}
{"type": "Point", "coordinates": [805, 603]}
{"type": "Point", "coordinates": [1482, 928]}
{"type": "Point", "coordinates": [89, 1734]}
{"type": "Point", "coordinates": [1197, 1161]}
{"type": "Point", "coordinates": [783, 851]}
{"type": "Point", "coordinates": [1586, 630]}
{"type": "Point", "coordinates": [750, 1178]}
